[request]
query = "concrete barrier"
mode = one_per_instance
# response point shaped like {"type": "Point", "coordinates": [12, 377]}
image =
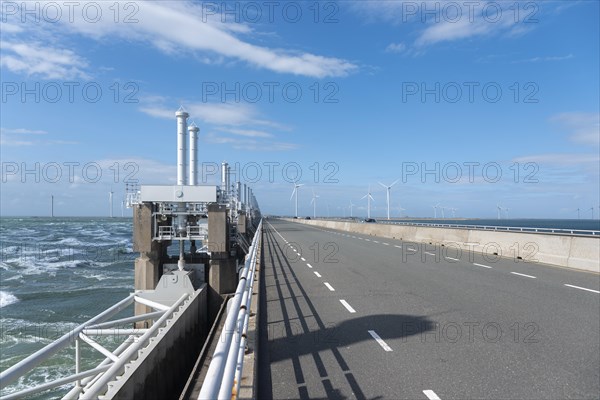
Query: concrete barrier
{"type": "Point", "coordinates": [163, 366]}
{"type": "Point", "coordinates": [578, 252]}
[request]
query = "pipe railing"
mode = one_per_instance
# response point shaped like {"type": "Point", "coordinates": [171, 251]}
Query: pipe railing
{"type": "Point", "coordinates": [223, 375]}
{"type": "Point", "coordinates": [524, 229]}
{"type": "Point", "coordinates": [97, 326]}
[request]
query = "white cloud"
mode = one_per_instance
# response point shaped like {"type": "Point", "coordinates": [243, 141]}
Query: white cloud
{"type": "Point", "coordinates": [181, 27]}
{"type": "Point", "coordinates": [248, 132]}
{"type": "Point", "coordinates": [14, 137]}
{"type": "Point", "coordinates": [37, 59]}
{"type": "Point", "coordinates": [584, 128]}
{"type": "Point", "coordinates": [543, 59]}
{"type": "Point", "coordinates": [561, 159]}
{"type": "Point", "coordinates": [22, 131]}
{"type": "Point", "coordinates": [444, 21]}
{"type": "Point", "coordinates": [236, 119]}
{"type": "Point", "coordinates": [251, 144]}
{"type": "Point", "coordinates": [225, 114]}
{"type": "Point", "coordinates": [395, 48]}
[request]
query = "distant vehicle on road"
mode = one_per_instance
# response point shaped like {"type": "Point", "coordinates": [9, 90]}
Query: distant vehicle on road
{"type": "Point", "coordinates": [369, 220]}
{"type": "Point", "coordinates": [307, 218]}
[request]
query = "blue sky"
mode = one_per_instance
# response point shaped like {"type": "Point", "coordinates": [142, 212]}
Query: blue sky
{"type": "Point", "coordinates": [468, 105]}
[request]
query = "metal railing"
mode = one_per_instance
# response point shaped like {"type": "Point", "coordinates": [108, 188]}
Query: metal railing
{"type": "Point", "coordinates": [224, 373]}
{"type": "Point", "coordinates": [91, 382]}
{"type": "Point", "coordinates": [563, 231]}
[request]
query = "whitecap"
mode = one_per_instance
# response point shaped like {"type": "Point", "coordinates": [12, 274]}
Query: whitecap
{"type": "Point", "coordinates": [7, 298]}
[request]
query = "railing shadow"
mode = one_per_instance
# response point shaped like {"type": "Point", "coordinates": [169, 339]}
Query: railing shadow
{"type": "Point", "coordinates": [296, 338]}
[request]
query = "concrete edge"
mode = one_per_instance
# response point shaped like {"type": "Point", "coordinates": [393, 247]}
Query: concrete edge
{"type": "Point", "coordinates": [576, 253]}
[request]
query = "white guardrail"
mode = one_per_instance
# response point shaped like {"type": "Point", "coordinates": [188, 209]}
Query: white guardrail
{"type": "Point", "coordinates": [225, 370]}
{"type": "Point", "coordinates": [524, 229]}
{"type": "Point", "coordinates": [90, 382]}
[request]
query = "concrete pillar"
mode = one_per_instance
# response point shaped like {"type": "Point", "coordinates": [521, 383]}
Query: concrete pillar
{"type": "Point", "coordinates": [147, 266]}
{"type": "Point", "coordinates": [241, 222]}
{"type": "Point", "coordinates": [222, 272]}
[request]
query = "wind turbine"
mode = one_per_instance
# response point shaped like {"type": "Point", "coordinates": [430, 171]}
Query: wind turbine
{"type": "Point", "coordinates": [295, 192]}
{"type": "Point", "coordinates": [369, 198]}
{"type": "Point", "coordinates": [499, 210]}
{"type": "Point", "coordinates": [388, 188]}
{"type": "Point", "coordinates": [443, 208]}
{"type": "Point", "coordinates": [506, 212]}
{"type": "Point", "coordinates": [400, 209]}
{"type": "Point", "coordinates": [454, 212]}
{"type": "Point", "coordinates": [351, 205]}
{"type": "Point", "coordinates": [110, 198]}
{"type": "Point", "coordinates": [435, 208]}
{"type": "Point", "coordinates": [314, 203]}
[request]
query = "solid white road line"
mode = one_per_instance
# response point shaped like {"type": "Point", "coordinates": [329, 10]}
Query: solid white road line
{"type": "Point", "coordinates": [527, 276]}
{"type": "Point", "coordinates": [397, 246]}
{"type": "Point", "coordinates": [431, 254]}
{"type": "Point", "coordinates": [348, 306]}
{"type": "Point", "coordinates": [481, 265]}
{"type": "Point", "coordinates": [317, 274]}
{"type": "Point", "coordinates": [329, 286]}
{"type": "Point", "coordinates": [582, 288]}
{"type": "Point", "coordinates": [431, 395]}
{"type": "Point", "coordinates": [387, 244]}
{"type": "Point", "coordinates": [380, 341]}
{"type": "Point", "coordinates": [451, 258]}
{"type": "Point", "coordinates": [308, 265]}
{"type": "Point", "coordinates": [302, 258]}
{"type": "Point", "coordinates": [375, 241]}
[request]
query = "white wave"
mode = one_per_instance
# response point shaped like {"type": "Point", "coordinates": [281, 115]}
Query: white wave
{"type": "Point", "coordinates": [7, 298]}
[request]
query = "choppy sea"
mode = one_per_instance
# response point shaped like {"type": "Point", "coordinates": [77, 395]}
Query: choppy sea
{"type": "Point", "coordinates": [56, 273]}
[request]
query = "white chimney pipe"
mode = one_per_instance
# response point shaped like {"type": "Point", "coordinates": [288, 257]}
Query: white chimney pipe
{"type": "Point", "coordinates": [181, 145]}
{"type": "Point", "coordinates": [193, 132]}
{"type": "Point", "coordinates": [224, 178]}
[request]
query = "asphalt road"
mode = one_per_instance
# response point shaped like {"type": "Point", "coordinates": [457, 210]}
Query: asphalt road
{"type": "Point", "coordinates": [354, 316]}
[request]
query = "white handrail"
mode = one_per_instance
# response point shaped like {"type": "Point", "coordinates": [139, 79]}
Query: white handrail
{"type": "Point", "coordinates": [221, 371]}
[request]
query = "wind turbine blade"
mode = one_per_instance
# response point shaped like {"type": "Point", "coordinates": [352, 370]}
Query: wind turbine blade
{"type": "Point", "coordinates": [300, 184]}
{"type": "Point", "coordinates": [364, 196]}
{"type": "Point", "coordinates": [382, 185]}
{"type": "Point", "coordinates": [396, 181]}
{"type": "Point", "coordinates": [372, 199]}
{"type": "Point", "coordinates": [292, 196]}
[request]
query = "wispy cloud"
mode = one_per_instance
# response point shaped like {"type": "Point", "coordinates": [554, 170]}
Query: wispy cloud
{"type": "Point", "coordinates": [16, 137]}
{"type": "Point", "coordinates": [243, 121]}
{"type": "Point", "coordinates": [22, 131]}
{"type": "Point", "coordinates": [560, 159]}
{"type": "Point", "coordinates": [250, 144]}
{"type": "Point", "coordinates": [442, 23]}
{"type": "Point", "coordinates": [543, 59]}
{"type": "Point", "coordinates": [37, 59]}
{"type": "Point", "coordinates": [175, 28]}
{"type": "Point", "coordinates": [395, 48]}
{"type": "Point", "coordinates": [248, 132]}
{"type": "Point", "coordinates": [583, 128]}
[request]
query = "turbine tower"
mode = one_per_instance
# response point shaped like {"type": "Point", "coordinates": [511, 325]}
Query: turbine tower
{"type": "Point", "coordinates": [351, 206]}
{"type": "Point", "coordinates": [295, 192]}
{"type": "Point", "coordinates": [110, 199]}
{"type": "Point", "coordinates": [499, 210]}
{"type": "Point", "coordinates": [435, 208]}
{"type": "Point", "coordinates": [369, 198]}
{"type": "Point", "coordinates": [388, 188]}
{"type": "Point", "coordinates": [314, 204]}
{"type": "Point", "coordinates": [52, 205]}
